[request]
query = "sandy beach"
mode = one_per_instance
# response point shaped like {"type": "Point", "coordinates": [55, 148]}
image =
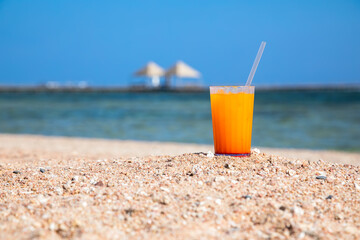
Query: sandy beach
{"type": "Point", "coordinates": [35, 145]}
{"type": "Point", "coordinates": [57, 187]}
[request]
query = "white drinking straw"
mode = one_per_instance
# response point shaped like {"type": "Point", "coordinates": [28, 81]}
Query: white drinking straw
{"type": "Point", "coordinates": [256, 63]}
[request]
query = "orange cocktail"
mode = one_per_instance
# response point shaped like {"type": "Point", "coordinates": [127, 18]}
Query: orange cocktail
{"type": "Point", "coordinates": [232, 116]}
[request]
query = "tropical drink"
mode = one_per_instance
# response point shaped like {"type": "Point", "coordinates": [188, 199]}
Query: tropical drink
{"type": "Point", "coordinates": [232, 117]}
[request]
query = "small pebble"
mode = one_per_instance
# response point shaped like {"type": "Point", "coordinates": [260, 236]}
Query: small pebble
{"type": "Point", "coordinates": [52, 226]}
{"type": "Point", "coordinates": [220, 179]}
{"type": "Point", "coordinates": [329, 197]}
{"type": "Point", "coordinates": [16, 172]}
{"type": "Point", "coordinates": [130, 211]}
{"type": "Point", "coordinates": [75, 178]}
{"type": "Point", "coordinates": [320, 173]}
{"type": "Point", "coordinates": [110, 184]}
{"type": "Point", "coordinates": [297, 211]}
{"type": "Point", "coordinates": [210, 154]}
{"type": "Point", "coordinates": [66, 186]}
{"type": "Point", "coordinates": [42, 199]}
{"type": "Point", "coordinates": [256, 150]}
{"type": "Point", "coordinates": [247, 197]}
{"type": "Point", "coordinates": [305, 164]}
{"type": "Point", "coordinates": [291, 172]}
{"type": "Point", "coordinates": [321, 177]}
{"type": "Point", "coordinates": [282, 208]}
{"type": "Point", "coordinates": [93, 181]}
{"type": "Point", "coordinates": [165, 189]}
{"type": "Point", "coordinates": [165, 200]}
{"type": "Point", "coordinates": [42, 170]}
{"type": "Point", "coordinates": [99, 184]}
{"type": "Point", "coordinates": [59, 190]}
{"type": "Point", "coordinates": [227, 166]}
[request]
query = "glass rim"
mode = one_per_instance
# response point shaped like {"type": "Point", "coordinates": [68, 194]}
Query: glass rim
{"type": "Point", "coordinates": [232, 89]}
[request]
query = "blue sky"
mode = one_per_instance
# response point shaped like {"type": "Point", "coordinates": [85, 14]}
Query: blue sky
{"type": "Point", "coordinates": [103, 42]}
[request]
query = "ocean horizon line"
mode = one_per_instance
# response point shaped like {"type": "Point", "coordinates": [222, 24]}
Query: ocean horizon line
{"type": "Point", "coordinates": [119, 88]}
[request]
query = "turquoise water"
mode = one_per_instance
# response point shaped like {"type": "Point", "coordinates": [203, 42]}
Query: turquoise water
{"type": "Point", "coordinates": [296, 119]}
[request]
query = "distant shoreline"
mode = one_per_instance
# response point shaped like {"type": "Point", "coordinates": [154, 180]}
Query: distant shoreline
{"type": "Point", "coordinates": [195, 89]}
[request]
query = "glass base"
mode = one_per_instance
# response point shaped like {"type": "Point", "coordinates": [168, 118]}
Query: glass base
{"type": "Point", "coordinates": [233, 154]}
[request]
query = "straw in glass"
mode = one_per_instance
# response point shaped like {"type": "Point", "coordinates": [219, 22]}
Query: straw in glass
{"type": "Point", "coordinates": [256, 63]}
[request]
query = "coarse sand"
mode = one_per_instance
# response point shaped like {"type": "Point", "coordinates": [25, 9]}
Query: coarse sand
{"type": "Point", "coordinates": [54, 188]}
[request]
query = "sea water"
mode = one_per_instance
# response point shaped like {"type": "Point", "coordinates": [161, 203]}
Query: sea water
{"type": "Point", "coordinates": [316, 119]}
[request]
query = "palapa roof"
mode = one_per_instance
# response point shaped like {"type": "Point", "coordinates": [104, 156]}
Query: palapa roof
{"type": "Point", "coordinates": [182, 70]}
{"type": "Point", "coordinates": [151, 69]}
